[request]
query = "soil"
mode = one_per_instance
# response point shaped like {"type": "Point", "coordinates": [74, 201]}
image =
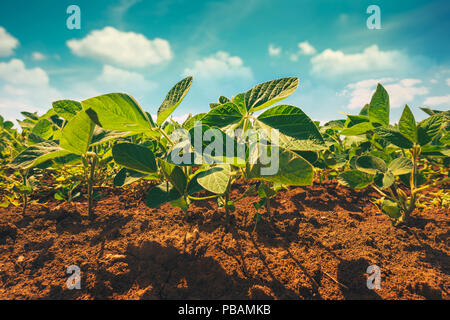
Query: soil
{"type": "Point", "coordinates": [318, 244]}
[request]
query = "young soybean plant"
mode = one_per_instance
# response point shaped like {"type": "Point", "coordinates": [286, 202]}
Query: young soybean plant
{"type": "Point", "coordinates": [411, 138]}
{"type": "Point", "coordinates": [120, 112]}
{"type": "Point", "coordinates": [296, 134]}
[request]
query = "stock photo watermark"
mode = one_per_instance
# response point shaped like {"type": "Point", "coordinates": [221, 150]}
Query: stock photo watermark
{"type": "Point", "coordinates": [374, 279]}
{"type": "Point", "coordinates": [374, 20]}
{"type": "Point", "coordinates": [74, 280]}
{"type": "Point", "coordinates": [73, 22]}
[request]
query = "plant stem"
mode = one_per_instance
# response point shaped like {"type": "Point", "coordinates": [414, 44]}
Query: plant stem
{"type": "Point", "coordinates": [25, 195]}
{"type": "Point", "coordinates": [90, 187]}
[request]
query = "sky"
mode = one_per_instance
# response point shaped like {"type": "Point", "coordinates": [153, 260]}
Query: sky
{"type": "Point", "coordinates": [144, 47]}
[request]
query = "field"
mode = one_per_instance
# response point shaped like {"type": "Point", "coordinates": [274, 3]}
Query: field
{"type": "Point", "coordinates": [251, 200]}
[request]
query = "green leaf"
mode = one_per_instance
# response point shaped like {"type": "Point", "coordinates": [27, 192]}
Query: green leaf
{"type": "Point", "coordinates": [67, 109]}
{"type": "Point", "coordinates": [266, 94]}
{"type": "Point", "coordinates": [293, 122]}
{"type": "Point", "coordinates": [391, 209]}
{"type": "Point", "coordinates": [215, 179]}
{"type": "Point", "coordinates": [400, 166]}
{"type": "Point", "coordinates": [37, 154]}
{"type": "Point", "coordinates": [223, 115]}
{"type": "Point", "coordinates": [190, 123]}
{"type": "Point", "coordinates": [161, 194]}
{"type": "Point", "coordinates": [174, 174]}
{"type": "Point", "coordinates": [355, 179]}
{"type": "Point", "coordinates": [407, 125]}
{"type": "Point", "coordinates": [134, 157]}
{"type": "Point", "coordinates": [394, 136]}
{"type": "Point", "coordinates": [43, 129]}
{"type": "Point", "coordinates": [429, 128]}
{"type": "Point", "coordinates": [101, 135]}
{"type": "Point", "coordinates": [292, 170]}
{"type": "Point", "coordinates": [117, 111]}
{"type": "Point", "coordinates": [384, 180]}
{"type": "Point", "coordinates": [173, 99]}
{"type": "Point", "coordinates": [379, 107]}
{"type": "Point", "coordinates": [126, 176]}
{"type": "Point", "coordinates": [371, 165]}
{"type": "Point", "coordinates": [77, 134]}
{"type": "Point", "coordinates": [357, 129]}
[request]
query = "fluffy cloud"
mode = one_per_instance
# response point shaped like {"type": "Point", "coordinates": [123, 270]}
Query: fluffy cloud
{"type": "Point", "coordinates": [437, 101]}
{"type": "Point", "coordinates": [400, 92]}
{"type": "Point", "coordinates": [7, 43]}
{"type": "Point", "coordinates": [126, 49]}
{"type": "Point", "coordinates": [15, 72]}
{"type": "Point", "coordinates": [306, 48]}
{"type": "Point", "coordinates": [220, 66]}
{"type": "Point", "coordinates": [274, 51]}
{"type": "Point", "coordinates": [23, 89]}
{"type": "Point", "coordinates": [448, 82]}
{"type": "Point", "coordinates": [115, 79]}
{"type": "Point", "coordinates": [372, 59]}
{"type": "Point", "coordinates": [37, 56]}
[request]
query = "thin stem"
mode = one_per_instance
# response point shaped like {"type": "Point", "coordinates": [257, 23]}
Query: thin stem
{"type": "Point", "coordinates": [203, 198]}
{"type": "Point", "coordinates": [91, 187]}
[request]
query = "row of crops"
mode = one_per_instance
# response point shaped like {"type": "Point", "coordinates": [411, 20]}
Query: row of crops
{"type": "Point", "coordinates": [111, 140]}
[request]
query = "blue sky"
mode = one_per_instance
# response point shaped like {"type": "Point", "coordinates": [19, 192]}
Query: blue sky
{"type": "Point", "coordinates": [144, 47]}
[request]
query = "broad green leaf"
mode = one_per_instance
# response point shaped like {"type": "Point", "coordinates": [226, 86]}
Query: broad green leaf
{"type": "Point", "coordinates": [407, 125]}
{"type": "Point", "coordinates": [357, 129]}
{"type": "Point", "coordinates": [379, 107]}
{"type": "Point", "coordinates": [190, 123]}
{"type": "Point", "coordinates": [174, 174]}
{"type": "Point", "coordinates": [37, 154]}
{"type": "Point", "coordinates": [394, 136]}
{"type": "Point", "coordinates": [101, 135]}
{"type": "Point", "coordinates": [43, 129]}
{"type": "Point", "coordinates": [364, 111]}
{"type": "Point", "coordinates": [161, 194]}
{"type": "Point", "coordinates": [446, 139]}
{"type": "Point", "coordinates": [400, 166]}
{"type": "Point", "coordinates": [223, 100]}
{"type": "Point", "coordinates": [77, 134]}
{"type": "Point", "coordinates": [371, 164]}
{"type": "Point", "coordinates": [134, 157]}
{"type": "Point", "coordinates": [215, 179]}
{"type": "Point", "coordinates": [391, 209]}
{"type": "Point", "coordinates": [117, 111]}
{"type": "Point", "coordinates": [173, 99]}
{"type": "Point", "coordinates": [429, 128]}
{"type": "Point", "coordinates": [355, 179]}
{"type": "Point", "coordinates": [126, 176]}
{"type": "Point", "coordinates": [222, 115]}
{"type": "Point", "coordinates": [67, 109]}
{"type": "Point", "coordinates": [266, 94]}
{"type": "Point", "coordinates": [292, 122]}
{"type": "Point", "coordinates": [384, 180]}
{"type": "Point", "coordinates": [291, 169]}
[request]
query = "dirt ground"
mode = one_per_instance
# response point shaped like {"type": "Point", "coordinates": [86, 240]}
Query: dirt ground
{"type": "Point", "coordinates": [318, 246]}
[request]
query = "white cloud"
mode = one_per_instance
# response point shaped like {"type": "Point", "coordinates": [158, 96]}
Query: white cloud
{"type": "Point", "coordinates": [219, 66]}
{"type": "Point", "coordinates": [306, 48]}
{"type": "Point", "coordinates": [37, 56]}
{"type": "Point", "coordinates": [400, 92]}
{"type": "Point", "coordinates": [437, 101]}
{"type": "Point", "coordinates": [126, 49]}
{"type": "Point", "coordinates": [7, 43]}
{"type": "Point", "coordinates": [372, 59]}
{"type": "Point", "coordinates": [116, 79]}
{"type": "Point", "coordinates": [23, 89]}
{"type": "Point", "coordinates": [274, 51]}
{"type": "Point", "coordinates": [15, 72]}
{"type": "Point", "coordinates": [448, 82]}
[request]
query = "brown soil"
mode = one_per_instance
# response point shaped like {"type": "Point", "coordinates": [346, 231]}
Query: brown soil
{"type": "Point", "coordinates": [318, 246]}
